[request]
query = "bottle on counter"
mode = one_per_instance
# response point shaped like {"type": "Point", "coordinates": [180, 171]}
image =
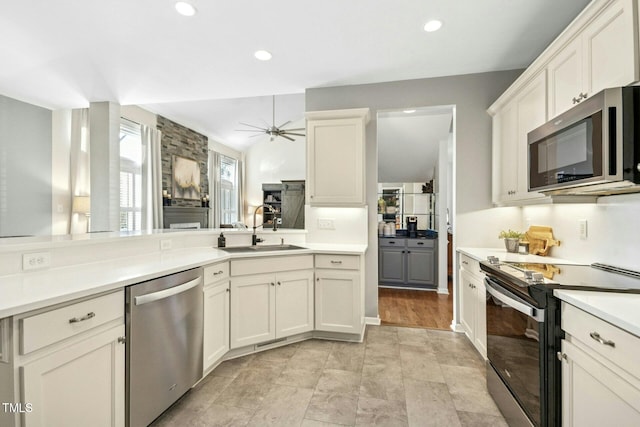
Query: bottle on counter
{"type": "Point", "coordinates": [222, 241]}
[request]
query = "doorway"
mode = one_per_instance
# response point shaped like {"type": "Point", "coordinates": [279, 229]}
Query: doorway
{"type": "Point", "coordinates": [415, 202]}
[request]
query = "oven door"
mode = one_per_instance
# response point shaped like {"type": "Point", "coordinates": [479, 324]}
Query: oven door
{"type": "Point", "coordinates": [514, 331]}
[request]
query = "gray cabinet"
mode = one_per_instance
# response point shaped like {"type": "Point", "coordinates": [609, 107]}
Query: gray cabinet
{"type": "Point", "coordinates": [407, 262]}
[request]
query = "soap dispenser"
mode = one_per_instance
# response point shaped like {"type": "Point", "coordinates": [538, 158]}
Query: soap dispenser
{"type": "Point", "coordinates": [222, 241]}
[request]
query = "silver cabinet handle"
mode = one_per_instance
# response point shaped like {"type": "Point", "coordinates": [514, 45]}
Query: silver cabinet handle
{"type": "Point", "coordinates": [219, 272]}
{"type": "Point", "coordinates": [279, 283]}
{"type": "Point", "coordinates": [166, 293]}
{"type": "Point", "coordinates": [87, 316]}
{"type": "Point", "coordinates": [465, 262]}
{"type": "Point", "coordinates": [421, 243]}
{"type": "Point", "coordinates": [336, 262]}
{"type": "Point", "coordinates": [596, 336]}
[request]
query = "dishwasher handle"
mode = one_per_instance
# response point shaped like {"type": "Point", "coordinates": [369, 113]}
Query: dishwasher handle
{"type": "Point", "coordinates": [166, 293]}
{"type": "Point", "coordinates": [522, 307]}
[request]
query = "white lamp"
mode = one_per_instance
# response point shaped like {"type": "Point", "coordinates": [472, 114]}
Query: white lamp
{"type": "Point", "coordinates": [82, 205]}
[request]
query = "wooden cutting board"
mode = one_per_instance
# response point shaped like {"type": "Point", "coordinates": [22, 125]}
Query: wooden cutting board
{"type": "Point", "coordinates": [540, 238]}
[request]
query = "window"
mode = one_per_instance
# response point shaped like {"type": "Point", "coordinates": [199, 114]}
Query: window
{"type": "Point", "coordinates": [130, 176]}
{"type": "Point", "coordinates": [228, 190]}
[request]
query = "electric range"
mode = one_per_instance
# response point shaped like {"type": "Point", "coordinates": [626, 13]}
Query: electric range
{"type": "Point", "coordinates": [524, 332]}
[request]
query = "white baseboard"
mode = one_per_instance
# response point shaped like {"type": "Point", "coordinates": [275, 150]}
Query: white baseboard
{"type": "Point", "coordinates": [456, 327]}
{"type": "Point", "coordinates": [372, 320]}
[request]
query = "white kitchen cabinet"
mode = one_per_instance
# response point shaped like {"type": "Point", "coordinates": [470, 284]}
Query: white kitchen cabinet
{"type": "Point", "coordinates": [336, 157]}
{"type": "Point", "coordinates": [473, 308]}
{"type": "Point", "coordinates": [216, 314]}
{"type": "Point", "coordinates": [600, 382]}
{"type": "Point", "coordinates": [602, 55]}
{"type": "Point", "coordinates": [65, 365]}
{"type": "Point", "coordinates": [339, 303]}
{"type": "Point", "coordinates": [268, 302]}
{"type": "Point", "coordinates": [512, 123]}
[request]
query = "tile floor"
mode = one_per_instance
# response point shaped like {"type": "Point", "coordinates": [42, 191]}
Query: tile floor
{"type": "Point", "coordinates": [397, 377]}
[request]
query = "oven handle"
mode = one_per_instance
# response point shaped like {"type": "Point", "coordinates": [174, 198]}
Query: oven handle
{"type": "Point", "coordinates": [520, 306]}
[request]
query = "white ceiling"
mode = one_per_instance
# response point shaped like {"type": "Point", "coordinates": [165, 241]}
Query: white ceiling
{"type": "Point", "coordinates": [408, 144]}
{"type": "Point", "coordinates": [65, 54]}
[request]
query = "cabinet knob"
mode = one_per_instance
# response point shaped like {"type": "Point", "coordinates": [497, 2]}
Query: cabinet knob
{"type": "Point", "coordinates": [228, 290]}
{"type": "Point", "coordinates": [279, 283]}
{"type": "Point", "coordinates": [561, 356]}
{"type": "Point", "coordinates": [122, 340]}
{"type": "Point", "coordinates": [583, 95]}
{"type": "Point", "coordinates": [575, 100]}
{"type": "Point", "coordinates": [317, 279]}
{"type": "Point", "coordinates": [273, 284]}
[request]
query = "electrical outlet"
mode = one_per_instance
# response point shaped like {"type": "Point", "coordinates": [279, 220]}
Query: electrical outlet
{"type": "Point", "coordinates": [165, 244]}
{"type": "Point", "coordinates": [582, 229]}
{"type": "Point", "coordinates": [36, 260]}
{"type": "Point", "coordinates": [326, 224]}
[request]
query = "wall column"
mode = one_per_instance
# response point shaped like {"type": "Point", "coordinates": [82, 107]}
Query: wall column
{"type": "Point", "coordinates": [104, 153]}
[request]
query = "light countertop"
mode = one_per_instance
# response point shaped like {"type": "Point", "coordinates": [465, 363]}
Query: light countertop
{"type": "Point", "coordinates": [481, 254]}
{"type": "Point", "coordinates": [621, 310]}
{"type": "Point", "coordinates": [37, 289]}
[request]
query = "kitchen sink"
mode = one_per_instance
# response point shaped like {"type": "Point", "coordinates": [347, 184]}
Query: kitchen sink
{"type": "Point", "coordinates": [262, 248]}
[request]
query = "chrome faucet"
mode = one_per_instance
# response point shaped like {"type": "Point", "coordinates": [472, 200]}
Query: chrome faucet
{"type": "Point", "coordinates": [254, 239]}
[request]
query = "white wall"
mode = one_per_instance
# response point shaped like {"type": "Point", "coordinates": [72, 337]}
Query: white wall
{"type": "Point", "coordinates": [269, 162]}
{"type": "Point", "coordinates": [60, 172]}
{"type": "Point", "coordinates": [350, 225]}
{"type": "Point", "coordinates": [613, 229]}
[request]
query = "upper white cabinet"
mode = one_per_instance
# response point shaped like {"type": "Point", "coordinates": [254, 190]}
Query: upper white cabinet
{"type": "Point", "coordinates": [602, 55]}
{"type": "Point", "coordinates": [336, 157]}
{"type": "Point", "coordinates": [511, 125]}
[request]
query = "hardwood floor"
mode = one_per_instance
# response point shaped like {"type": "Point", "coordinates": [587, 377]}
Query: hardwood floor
{"type": "Point", "coordinates": [418, 309]}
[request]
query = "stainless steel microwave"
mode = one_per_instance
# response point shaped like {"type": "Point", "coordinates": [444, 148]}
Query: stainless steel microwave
{"type": "Point", "coordinates": [592, 148]}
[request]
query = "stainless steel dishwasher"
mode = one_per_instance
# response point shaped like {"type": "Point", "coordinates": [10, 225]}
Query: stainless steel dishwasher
{"type": "Point", "coordinates": [164, 343]}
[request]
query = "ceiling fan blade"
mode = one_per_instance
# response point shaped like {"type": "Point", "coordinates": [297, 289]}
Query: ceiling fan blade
{"type": "Point", "coordinates": [284, 124]}
{"type": "Point", "coordinates": [250, 130]}
{"type": "Point", "coordinates": [251, 126]}
{"type": "Point", "coordinates": [257, 134]}
{"type": "Point", "coordinates": [291, 133]}
{"type": "Point", "coordinates": [285, 136]}
{"type": "Point", "coordinates": [287, 130]}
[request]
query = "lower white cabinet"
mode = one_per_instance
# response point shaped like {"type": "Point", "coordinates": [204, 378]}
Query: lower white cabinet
{"type": "Point", "coordinates": [339, 299]}
{"type": "Point", "coordinates": [65, 365]}
{"type": "Point", "coordinates": [273, 305]}
{"type": "Point", "coordinates": [216, 315]}
{"type": "Point", "coordinates": [473, 305]}
{"type": "Point", "coordinates": [80, 385]}
{"type": "Point", "coordinates": [600, 372]}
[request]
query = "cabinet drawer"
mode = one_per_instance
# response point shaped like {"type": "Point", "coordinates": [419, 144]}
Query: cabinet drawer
{"type": "Point", "coordinates": [216, 272]}
{"type": "Point", "coordinates": [623, 348]}
{"type": "Point", "coordinates": [392, 242]}
{"type": "Point", "coordinates": [421, 243]}
{"type": "Point", "coordinates": [271, 264]}
{"type": "Point", "coordinates": [470, 264]}
{"type": "Point", "coordinates": [342, 262]}
{"type": "Point", "coordinates": [43, 329]}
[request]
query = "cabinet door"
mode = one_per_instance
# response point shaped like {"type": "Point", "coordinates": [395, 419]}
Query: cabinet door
{"type": "Point", "coordinates": [294, 303]}
{"type": "Point", "coordinates": [505, 153]}
{"type": "Point", "coordinates": [565, 78]}
{"type": "Point", "coordinates": [594, 395]}
{"type": "Point", "coordinates": [252, 309]}
{"type": "Point", "coordinates": [335, 162]}
{"type": "Point", "coordinates": [467, 304]}
{"type": "Point", "coordinates": [216, 323]}
{"type": "Point", "coordinates": [421, 267]}
{"type": "Point", "coordinates": [480, 336]}
{"type": "Point", "coordinates": [609, 49]}
{"type": "Point", "coordinates": [338, 306]}
{"type": "Point", "coordinates": [80, 385]}
{"type": "Point", "coordinates": [391, 265]}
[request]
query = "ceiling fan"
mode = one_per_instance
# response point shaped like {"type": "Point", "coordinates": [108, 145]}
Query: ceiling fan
{"type": "Point", "coordinates": [273, 131]}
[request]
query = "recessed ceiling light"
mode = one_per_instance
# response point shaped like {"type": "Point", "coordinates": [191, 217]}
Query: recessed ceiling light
{"type": "Point", "coordinates": [185, 9]}
{"type": "Point", "coordinates": [262, 55]}
{"type": "Point", "coordinates": [433, 25]}
{"type": "Point", "coordinates": [409, 111]}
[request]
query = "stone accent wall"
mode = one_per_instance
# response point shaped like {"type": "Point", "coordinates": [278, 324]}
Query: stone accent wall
{"type": "Point", "coordinates": [178, 140]}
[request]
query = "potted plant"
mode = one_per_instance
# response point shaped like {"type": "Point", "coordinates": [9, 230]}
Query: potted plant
{"type": "Point", "coordinates": [511, 239]}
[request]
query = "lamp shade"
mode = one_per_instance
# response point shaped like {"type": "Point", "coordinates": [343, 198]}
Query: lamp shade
{"type": "Point", "coordinates": [81, 204]}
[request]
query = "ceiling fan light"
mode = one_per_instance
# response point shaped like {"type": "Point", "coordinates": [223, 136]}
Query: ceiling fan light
{"type": "Point", "coordinates": [433, 25]}
{"type": "Point", "coordinates": [263, 55]}
{"type": "Point", "coordinates": [409, 111]}
{"type": "Point", "coordinates": [185, 9]}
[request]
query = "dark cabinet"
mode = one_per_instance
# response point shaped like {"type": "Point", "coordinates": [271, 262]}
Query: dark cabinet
{"type": "Point", "coordinates": [407, 262]}
{"type": "Point", "coordinates": [287, 199]}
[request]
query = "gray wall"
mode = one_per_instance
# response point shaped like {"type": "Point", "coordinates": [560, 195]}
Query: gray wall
{"type": "Point", "coordinates": [471, 94]}
{"type": "Point", "coordinates": [25, 168]}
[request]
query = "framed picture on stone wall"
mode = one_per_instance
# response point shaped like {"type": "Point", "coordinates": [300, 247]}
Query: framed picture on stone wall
{"type": "Point", "coordinates": [186, 178]}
